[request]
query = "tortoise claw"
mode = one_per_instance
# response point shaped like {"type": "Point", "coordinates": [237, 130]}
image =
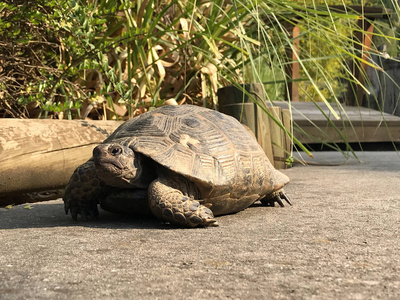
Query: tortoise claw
{"type": "Point", "coordinates": [285, 197]}
{"type": "Point", "coordinates": [91, 211]}
{"type": "Point", "coordinates": [211, 223]}
{"type": "Point", "coordinates": [276, 197]}
{"type": "Point", "coordinates": [278, 200]}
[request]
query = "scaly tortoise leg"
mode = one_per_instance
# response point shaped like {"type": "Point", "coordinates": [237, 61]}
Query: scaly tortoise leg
{"type": "Point", "coordinates": [170, 204]}
{"type": "Point", "coordinates": [83, 192]}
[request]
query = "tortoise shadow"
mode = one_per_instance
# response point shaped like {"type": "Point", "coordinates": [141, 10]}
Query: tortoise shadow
{"type": "Point", "coordinates": [51, 214]}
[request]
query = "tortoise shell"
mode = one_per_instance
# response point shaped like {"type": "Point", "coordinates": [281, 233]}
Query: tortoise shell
{"type": "Point", "coordinates": [210, 148]}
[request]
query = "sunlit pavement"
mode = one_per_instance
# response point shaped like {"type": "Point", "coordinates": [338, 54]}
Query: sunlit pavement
{"type": "Point", "coordinates": [339, 240]}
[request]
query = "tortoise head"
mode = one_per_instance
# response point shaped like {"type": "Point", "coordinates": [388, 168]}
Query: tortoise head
{"type": "Point", "coordinates": [118, 165]}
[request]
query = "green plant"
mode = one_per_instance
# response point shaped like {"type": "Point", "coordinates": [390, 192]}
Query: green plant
{"type": "Point", "coordinates": [117, 58]}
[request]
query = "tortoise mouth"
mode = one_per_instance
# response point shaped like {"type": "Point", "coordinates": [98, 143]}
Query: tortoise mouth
{"type": "Point", "coordinates": [109, 164]}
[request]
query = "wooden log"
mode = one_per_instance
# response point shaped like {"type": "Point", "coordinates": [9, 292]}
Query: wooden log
{"type": "Point", "coordinates": [39, 156]}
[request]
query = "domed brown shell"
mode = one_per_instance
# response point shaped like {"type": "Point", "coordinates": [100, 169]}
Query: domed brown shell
{"type": "Point", "coordinates": [210, 148]}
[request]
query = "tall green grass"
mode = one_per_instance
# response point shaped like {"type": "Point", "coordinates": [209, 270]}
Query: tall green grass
{"type": "Point", "coordinates": [117, 58]}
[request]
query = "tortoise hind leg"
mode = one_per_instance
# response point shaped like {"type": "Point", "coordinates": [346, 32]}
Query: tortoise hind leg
{"type": "Point", "coordinates": [277, 197]}
{"type": "Point", "coordinates": [168, 203]}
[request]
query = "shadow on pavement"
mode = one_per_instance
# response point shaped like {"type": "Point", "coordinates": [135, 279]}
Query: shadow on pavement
{"type": "Point", "coordinates": [51, 214]}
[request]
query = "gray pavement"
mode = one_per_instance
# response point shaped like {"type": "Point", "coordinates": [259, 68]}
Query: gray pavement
{"type": "Point", "coordinates": [340, 240]}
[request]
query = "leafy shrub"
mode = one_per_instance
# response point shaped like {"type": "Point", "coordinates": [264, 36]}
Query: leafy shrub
{"type": "Point", "coordinates": [116, 58]}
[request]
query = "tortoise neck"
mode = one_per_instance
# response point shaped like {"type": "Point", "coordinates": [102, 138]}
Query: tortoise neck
{"type": "Point", "coordinates": [147, 168]}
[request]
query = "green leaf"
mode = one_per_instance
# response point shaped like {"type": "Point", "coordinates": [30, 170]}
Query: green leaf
{"type": "Point", "coordinates": [16, 31]}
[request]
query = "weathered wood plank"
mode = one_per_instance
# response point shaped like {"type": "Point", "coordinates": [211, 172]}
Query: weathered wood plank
{"type": "Point", "coordinates": [352, 135]}
{"type": "Point", "coordinates": [357, 124]}
{"type": "Point", "coordinates": [40, 155]}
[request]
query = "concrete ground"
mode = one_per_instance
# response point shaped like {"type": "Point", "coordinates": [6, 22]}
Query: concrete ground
{"type": "Point", "coordinates": [339, 240]}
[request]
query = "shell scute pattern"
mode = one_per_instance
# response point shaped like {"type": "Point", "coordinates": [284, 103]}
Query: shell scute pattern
{"type": "Point", "coordinates": [204, 145]}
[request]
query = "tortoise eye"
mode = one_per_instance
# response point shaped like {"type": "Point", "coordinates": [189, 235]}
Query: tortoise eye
{"type": "Point", "coordinates": [115, 150]}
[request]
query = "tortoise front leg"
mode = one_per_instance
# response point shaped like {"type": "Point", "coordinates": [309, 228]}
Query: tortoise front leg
{"type": "Point", "coordinates": [168, 203]}
{"type": "Point", "coordinates": [83, 192]}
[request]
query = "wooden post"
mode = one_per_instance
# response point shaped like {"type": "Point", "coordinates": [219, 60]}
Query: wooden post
{"type": "Point", "coordinates": [270, 136]}
{"type": "Point", "coordinates": [292, 69]}
{"type": "Point", "coordinates": [280, 141]}
{"type": "Point", "coordinates": [362, 45]}
{"type": "Point", "coordinates": [367, 41]}
{"type": "Point", "coordinates": [277, 137]}
{"type": "Point", "coordinates": [264, 134]}
{"type": "Point", "coordinates": [287, 123]}
{"type": "Point", "coordinates": [296, 65]}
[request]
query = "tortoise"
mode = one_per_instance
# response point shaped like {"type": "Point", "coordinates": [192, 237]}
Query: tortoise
{"type": "Point", "coordinates": [184, 164]}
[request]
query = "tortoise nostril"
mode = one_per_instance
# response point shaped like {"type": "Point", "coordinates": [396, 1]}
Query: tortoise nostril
{"type": "Point", "coordinates": [115, 150]}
